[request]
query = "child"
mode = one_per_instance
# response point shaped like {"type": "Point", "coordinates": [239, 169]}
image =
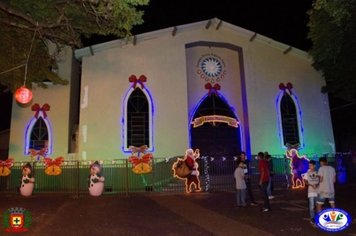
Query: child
{"type": "Point", "coordinates": [311, 178]}
{"type": "Point", "coordinates": [239, 176]}
{"type": "Point", "coordinates": [246, 167]}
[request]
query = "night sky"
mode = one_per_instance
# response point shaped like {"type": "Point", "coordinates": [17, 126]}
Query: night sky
{"type": "Point", "coordinates": [284, 21]}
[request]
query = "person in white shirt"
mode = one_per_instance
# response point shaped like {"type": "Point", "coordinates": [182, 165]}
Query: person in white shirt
{"type": "Point", "coordinates": [239, 176]}
{"type": "Point", "coordinates": [326, 190]}
{"type": "Point", "coordinates": [311, 179]}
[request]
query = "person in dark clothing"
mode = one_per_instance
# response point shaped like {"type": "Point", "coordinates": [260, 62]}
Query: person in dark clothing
{"type": "Point", "coordinates": [263, 180]}
{"type": "Point", "coordinates": [243, 158]}
{"type": "Point", "coordinates": [269, 160]}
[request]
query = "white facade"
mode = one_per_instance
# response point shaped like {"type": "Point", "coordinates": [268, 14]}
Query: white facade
{"type": "Point", "coordinates": [253, 68]}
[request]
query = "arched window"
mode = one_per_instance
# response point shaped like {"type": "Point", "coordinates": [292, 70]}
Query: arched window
{"type": "Point", "coordinates": [290, 124]}
{"type": "Point", "coordinates": [38, 134]}
{"type": "Point", "coordinates": [138, 119]}
{"type": "Point", "coordinates": [214, 128]}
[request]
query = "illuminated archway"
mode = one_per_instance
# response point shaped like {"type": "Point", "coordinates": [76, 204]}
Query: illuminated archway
{"type": "Point", "coordinates": [214, 128]}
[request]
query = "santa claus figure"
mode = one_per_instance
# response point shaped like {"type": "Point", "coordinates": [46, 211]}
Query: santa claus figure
{"type": "Point", "coordinates": [193, 178]}
{"type": "Point", "coordinates": [27, 181]}
{"type": "Point", "coordinates": [299, 166]}
{"type": "Point", "coordinates": [96, 181]}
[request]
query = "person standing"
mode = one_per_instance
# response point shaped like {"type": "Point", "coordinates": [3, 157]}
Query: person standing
{"type": "Point", "coordinates": [326, 189]}
{"type": "Point", "coordinates": [239, 176]}
{"type": "Point", "coordinates": [311, 179]}
{"type": "Point", "coordinates": [243, 158]}
{"type": "Point", "coordinates": [270, 168]}
{"type": "Point", "coordinates": [263, 180]}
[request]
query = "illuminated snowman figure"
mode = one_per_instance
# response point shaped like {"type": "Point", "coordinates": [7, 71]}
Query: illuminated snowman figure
{"type": "Point", "coordinates": [27, 181]}
{"type": "Point", "coordinates": [96, 181]}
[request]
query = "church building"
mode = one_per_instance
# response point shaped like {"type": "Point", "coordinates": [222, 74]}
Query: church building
{"type": "Point", "coordinates": [209, 85]}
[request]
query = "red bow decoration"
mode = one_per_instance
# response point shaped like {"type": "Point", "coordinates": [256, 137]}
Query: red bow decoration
{"type": "Point", "coordinates": [212, 89]}
{"type": "Point", "coordinates": [36, 107]}
{"type": "Point", "coordinates": [138, 150]}
{"type": "Point", "coordinates": [35, 153]}
{"type": "Point", "coordinates": [7, 163]}
{"type": "Point", "coordinates": [287, 87]}
{"type": "Point", "coordinates": [133, 79]}
{"type": "Point", "coordinates": [50, 162]}
{"type": "Point", "coordinates": [134, 160]}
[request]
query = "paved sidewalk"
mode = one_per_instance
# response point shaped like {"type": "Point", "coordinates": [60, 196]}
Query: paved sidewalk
{"type": "Point", "coordinates": [172, 214]}
{"type": "Point", "coordinates": [209, 220]}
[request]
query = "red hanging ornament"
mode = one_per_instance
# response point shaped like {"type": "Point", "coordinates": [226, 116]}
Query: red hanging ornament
{"type": "Point", "coordinates": [23, 95]}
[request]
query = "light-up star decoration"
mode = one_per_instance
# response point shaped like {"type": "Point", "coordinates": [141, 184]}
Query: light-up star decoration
{"type": "Point", "coordinates": [299, 166]}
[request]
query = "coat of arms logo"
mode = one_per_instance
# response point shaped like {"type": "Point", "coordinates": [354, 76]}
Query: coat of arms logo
{"type": "Point", "coordinates": [16, 220]}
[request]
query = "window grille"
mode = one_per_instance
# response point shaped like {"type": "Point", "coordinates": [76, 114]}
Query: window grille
{"type": "Point", "coordinates": [137, 119]}
{"type": "Point", "coordinates": [289, 119]}
{"type": "Point", "coordinates": [39, 135]}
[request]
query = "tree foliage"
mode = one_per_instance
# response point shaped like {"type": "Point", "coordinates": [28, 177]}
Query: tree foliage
{"type": "Point", "coordinates": [33, 24]}
{"type": "Point", "coordinates": [332, 26]}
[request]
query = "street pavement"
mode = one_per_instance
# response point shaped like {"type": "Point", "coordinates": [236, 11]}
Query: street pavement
{"type": "Point", "coordinates": [172, 214]}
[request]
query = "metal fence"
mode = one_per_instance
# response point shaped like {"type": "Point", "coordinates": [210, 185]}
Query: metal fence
{"type": "Point", "coordinates": [216, 174]}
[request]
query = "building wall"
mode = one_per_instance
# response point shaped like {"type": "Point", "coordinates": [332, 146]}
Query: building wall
{"type": "Point", "coordinates": [265, 69]}
{"type": "Point", "coordinates": [162, 59]}
{"type": "Point", "coordinates": [105, 77]}
{"type": "Point", "coordinates": [57, 96]}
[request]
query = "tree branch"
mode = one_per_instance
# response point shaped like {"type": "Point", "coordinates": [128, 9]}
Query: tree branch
{"type": "Point", "coordinates": [5, 8]}
{"type": "Point", "coordinates": [44, 33]}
